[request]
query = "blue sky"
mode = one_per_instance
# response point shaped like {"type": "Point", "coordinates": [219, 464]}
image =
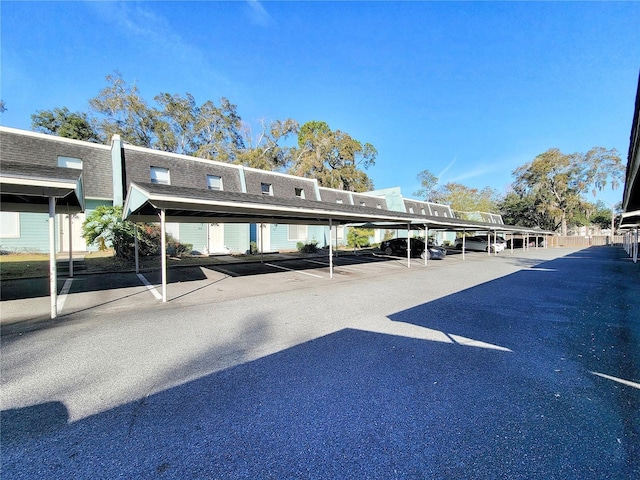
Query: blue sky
{"type": "Point", "coordinates": [468, 90]}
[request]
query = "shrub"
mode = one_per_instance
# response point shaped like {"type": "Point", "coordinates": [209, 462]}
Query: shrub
{"type": "Point", "coordinates": [105, 226]}
{"type": "Point", "coordinates": [311, 247]}
{"type": "Point", "coordinates": [359, 237]}
{"type": "Point", "coordinates": [175, 248]}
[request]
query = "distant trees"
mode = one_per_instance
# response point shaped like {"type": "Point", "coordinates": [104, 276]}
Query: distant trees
{"type": "Point", "coordinates": [334, 158]}
{"type": "Point", "coordinates": [428, 183]}
{"type": "Point", "coordinates": [177, 123]}
{"type": "Point", "coordinates": [63, 123]}
{"type": "Point", "coordinates": [459, 197]}
{"type": "Point", "coordinates": [553, 183]}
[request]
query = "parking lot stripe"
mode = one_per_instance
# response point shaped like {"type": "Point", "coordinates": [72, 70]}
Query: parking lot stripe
{"type": "Point", "coordinates": [617, 379]}
{"type": "Point", "coordinates": [292, 270]}
{"type": "Point", "coordinates": [63, 294]}
{"type": "Point", "coordinates": [150, 287]}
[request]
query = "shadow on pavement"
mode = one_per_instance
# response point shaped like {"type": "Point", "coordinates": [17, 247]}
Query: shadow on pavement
{"type": "Point", "coordinates": [358, 404]}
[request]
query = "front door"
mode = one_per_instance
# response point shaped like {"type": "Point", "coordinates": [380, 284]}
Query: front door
{"type": "Point", "coordinates": [264, 237]}
{"type": "Point", "coordinates": [216, 238]}
{"type": "Point", "coordinates": [78, 243]}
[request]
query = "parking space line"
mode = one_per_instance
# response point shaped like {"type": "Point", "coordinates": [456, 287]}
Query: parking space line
{"type": "Point", "coordinates": [63, 293]}
{"type": "Point", "coordinates": [150, 287]}
{"type": "Point", "coordinates": [292, 270]}
{"type": "Point", "coordinates": [324, 264]}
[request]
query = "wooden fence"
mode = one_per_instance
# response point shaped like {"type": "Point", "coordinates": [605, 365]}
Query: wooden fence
{"type": "Point", "coordinates": [574, 241]}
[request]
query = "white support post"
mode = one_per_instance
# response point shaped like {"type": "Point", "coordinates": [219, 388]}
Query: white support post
{"type": "Point", "coordinates": [635, 248]}
{"type": "Point", "coordinates": [408, 245]}
{"type": "Point", "coordinates": [512, 242]}
{"type": "Point", "coordinates": [135, 246]}
{"type": "Point", "coordinates": [70, 245]}
{"type": "Point", "coordinates": [163, 253]}
{"type": "Point", "coordinates": [495, 241]}
{"type": "Point", "coordinates": [426, 243]}
{"type": "Point", "coordinates": [489, 243]}
{"type": "Point", "coordinates": [464, 238]}
{"type": "Point", "coordinates": [330, 249]}
{"type": "Point", "coordinates": [53, 272]}
{"type": "Point", "coordinates": [261, 242]}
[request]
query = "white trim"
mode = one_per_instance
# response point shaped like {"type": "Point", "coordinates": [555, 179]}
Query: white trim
{"type": "Point", "coordinates": [46, 136]}
{"type": "Point", "coordinates": [39, 183]}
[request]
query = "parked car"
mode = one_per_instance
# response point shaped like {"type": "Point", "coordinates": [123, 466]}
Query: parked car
{"type": "Point", "coordinates": [398, 246]}
{"type": "Point", "coordinates": [519, 242]}
{"type": "Point", "coordinates": [480, 244]}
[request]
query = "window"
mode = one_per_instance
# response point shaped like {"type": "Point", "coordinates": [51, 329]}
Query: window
{"type": "Point", "coordinates": [266, 189]}
{"type": "Point", "coordinates": [423, 212]}
{"type": "Point", "coordinates": [214, 182]}
{"type": "Point", "coordinates": [160, 175]}
{"type": "Point", "coordinates": [300, 192]}
{"type": "Point", "coordinates": [70, 162]}
{"type": "Point", "coordinates": [379, 206]}
{"type": "Point", "coordinates": [363, 204]}
{"type": "Point", "coordinates": [9, 225]}
{"type": "Point", "coordinates": [410, 209]}
{"type": "Point", "coordinates": [339, 200]}
{"type": "Point", "coordinates": [436, 213]}
{"type": "Point", "coordinates": [298, 232]}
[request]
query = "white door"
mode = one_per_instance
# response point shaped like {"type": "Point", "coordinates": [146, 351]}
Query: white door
{"type": "Point", "coordinates": [216, 238]}
{"type": "Point", "coordinates": [264, 237]}
{"type": "Point", "coordinates": [78, 243]}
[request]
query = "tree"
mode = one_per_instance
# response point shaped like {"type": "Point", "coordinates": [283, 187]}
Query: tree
{"type": "Point", "coordinates": [205, 131]}
{"type": "Point", "coordinates": [359, 237]}
{"type": "Point", "coordinates": [428, 182]}
{"type": "Point", "coordinates": [218, 131]}
{"type": "Point", "coordinates": [557, 181]}
{"type": "Point", "coordinates": [63, 123]}
{"type": "Point", "coordinates": [600, 215]}
{"type": "Point", "coordinates": [105, 226]}
{"type": "Point", "coordinates": [265, 151]}
{"type": "Point", "coordinates": [466, 199]}
{"type": "Point", "coordinates": [334, 158]}
{"type": "Point", "coordinates": [524, 211]}
{"type": "Point", "coordinates": [124, 112]}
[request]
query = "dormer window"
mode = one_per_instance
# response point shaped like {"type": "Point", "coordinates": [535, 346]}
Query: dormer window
{"type": "Point", "coordinates": [410, 209]}
{"type": "Point", "coordinates": [70, 162]}
{"type": "Point", "coordinates": [214, 182]}
{"type": "Point", "coordinates": [339, 200]}
{"type": "Point", "coordinates": [423, 212]}
{"type": "Point", "coordinates": [160, 175]}
{"type": "Point", "coordinates": [300, 192]}
{"type": "Point", "coordinates": [266, 189]}
{"type": "Point", "coordinates": [363, 204]}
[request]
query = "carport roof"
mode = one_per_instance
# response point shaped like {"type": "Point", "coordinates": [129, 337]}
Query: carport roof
{"type": "Point", "coordinates": [193, 205]}
{"type": "Point", "coordinates": [27, 187]}
{"type": "Point", "coordinates": [631, 196]}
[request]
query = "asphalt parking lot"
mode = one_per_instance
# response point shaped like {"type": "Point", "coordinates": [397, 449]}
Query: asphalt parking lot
{"type": "Point", "coordinates": [522, 365]}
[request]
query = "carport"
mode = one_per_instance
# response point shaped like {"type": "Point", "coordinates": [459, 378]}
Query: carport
{"type": "Point", "coordinates": [458, 225]}
{"type": "Point", "coordinates": [152, 202]}
{"type": "Point", "coordinates": [41, 189]}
